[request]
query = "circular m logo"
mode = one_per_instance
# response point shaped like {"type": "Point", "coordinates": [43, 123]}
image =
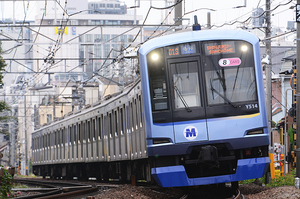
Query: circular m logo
{"type": "Point", "coordinates": [190, 132]}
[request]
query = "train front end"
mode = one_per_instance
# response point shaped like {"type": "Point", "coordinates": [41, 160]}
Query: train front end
{"type": "Point", "coordinates": [204, 103]}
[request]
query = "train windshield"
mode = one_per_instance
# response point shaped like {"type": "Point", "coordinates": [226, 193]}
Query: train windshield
{"type": "Point", "coordinates": [200, 80]}
{"type": "Point", "coordinates": [185, 85]}
{"type": "Point", "coordinates": [229, 72]}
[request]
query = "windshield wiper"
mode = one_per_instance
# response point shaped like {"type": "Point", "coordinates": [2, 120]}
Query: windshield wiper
{"type": "Point", "coordinates": [182, 99]}
{"type": "Point", "coordinates": [225, 98]}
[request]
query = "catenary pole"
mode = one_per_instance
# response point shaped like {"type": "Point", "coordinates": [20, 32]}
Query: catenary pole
{"type": "Point", "coordinates": [298, 97]}
{"type": "Point", "coordinates": [268, 65]}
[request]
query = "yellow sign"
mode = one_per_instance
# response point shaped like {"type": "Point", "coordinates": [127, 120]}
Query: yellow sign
{"type": "Point", "coordinates": [26, 167]}
{"type": "Point", "coordinates": [61, 29]}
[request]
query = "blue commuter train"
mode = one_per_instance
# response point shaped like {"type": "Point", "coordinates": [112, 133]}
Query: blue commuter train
{"type": "Point", "coordinates": [196, 116]}
{"type": "Point", "coordinates": [204, 106]}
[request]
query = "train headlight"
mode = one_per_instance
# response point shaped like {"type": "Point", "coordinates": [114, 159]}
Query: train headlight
{"type": "Point", "coordinates": [154, 56]}
{"type": "Point", "coordinates": [244, 48]}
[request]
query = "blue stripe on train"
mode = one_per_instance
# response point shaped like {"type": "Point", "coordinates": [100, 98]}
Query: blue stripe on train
{"type": "Point", "coordinates": [175, 176]}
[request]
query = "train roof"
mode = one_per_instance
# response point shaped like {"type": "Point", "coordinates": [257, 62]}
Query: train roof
{"type": "Point", "coordinates": [200, 35]}
{"type": "Point", "coordinates": [93, 107]}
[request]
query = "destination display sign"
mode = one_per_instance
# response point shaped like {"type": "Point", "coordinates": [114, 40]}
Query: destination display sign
{"type": "Point", "coordinates": [188, 48]}
{"type": "Point", "coordinates": [182, 49]}
{"type": "Point", "coordinates": [216, 48]}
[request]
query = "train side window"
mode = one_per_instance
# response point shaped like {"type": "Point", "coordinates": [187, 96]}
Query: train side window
{"type": "Point", "coordinates": [48, 141]}
{"type": "Point", "coordinates": [100, 119]}
{"type": "Point", "coordinates": [59, 137]}
{"type": "Point", "coordinates": [88, 131]}
{"type": "Point", "coordinates": [157, 80]}
{"type": "Point", "coordinates": [55, 138]}
{"type": "Point", "coordinates": [141, 111]}
{"type": "Point", "coordinates": [93, 129]}
{"type": "Point", "coordinates": [98, 128]}
{"type": "Point", "coordinates": [134, 114]}
{"type": "Point", "coordinates": [116, 123]}
{"type": "Point", "coordinates": [121, 121]}
{"type": "Point", "coordinates": [110, 125]}
{"type": "Point", "coordinates": [84, 132]}
{"type": "Point", "coordinates": [96, 136]}
{"type": "Point", "coordinates": [79, 132]}
{"type": "Point", "coordinates": [43, 141]}
{"type": "Point", "coordinates": [74, 133]}
{"type": "Point", "coordinates": [138, 112]}
{"type": "Point", "coordinates": [132, 117]}
{"type": "Point", "coordinates": [63, 135]}
{"type": "Point", "coordinates": [70, 135]}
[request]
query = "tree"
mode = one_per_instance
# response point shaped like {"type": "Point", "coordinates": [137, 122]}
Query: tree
{"type": "Point", "coordinates": [2, 66]}
{"type": "Point", "coordinates": [4, 107]}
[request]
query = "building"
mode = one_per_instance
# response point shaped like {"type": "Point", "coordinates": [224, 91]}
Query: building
{"type": "Point", "coordinates": [78, 60]}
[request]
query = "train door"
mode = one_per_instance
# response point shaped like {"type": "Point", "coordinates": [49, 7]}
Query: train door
{"type": "Point", "coordinates": [100, 138]}
{"type": "Point", "coordinates": [188, 111]}
{"type": "Point", "coordinates": [79, 144]}
{"type": "Point", "coordinates": [93, 143]}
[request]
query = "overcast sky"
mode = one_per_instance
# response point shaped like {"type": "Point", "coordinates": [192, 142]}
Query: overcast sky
{"type": "Point", "coordinates": [225, 11]}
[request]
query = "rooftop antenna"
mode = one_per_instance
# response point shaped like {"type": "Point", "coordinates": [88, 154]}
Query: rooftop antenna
{"type": "Point", "coordinates": [196, 26]}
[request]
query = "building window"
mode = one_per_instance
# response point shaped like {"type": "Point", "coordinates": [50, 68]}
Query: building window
{"type": "Point", "coordinates": [88, 38]}
{"type": "Point", "coordinates": [116, 50]}
{"type": "Point", "coordinates": [130, 38]}
{"type": "Point", "coordinates": [115, 38]}
{"type": "Point", "coordinates": [73, 22]}
{"type": "Point", "coordinates": [97, 50]}
{"type": "Point", "coordinates": [97, 38]}
{"type": "Point", "coordinates": [106, 49]}
{"type": "Point", "coordinates": [123, 38]}
{"type": "Point", "coordinates": [49, 118]}
{"type": "Point", "coordinates": [81, 38]}
{"type": "Point", "coordinates": [106, 37]}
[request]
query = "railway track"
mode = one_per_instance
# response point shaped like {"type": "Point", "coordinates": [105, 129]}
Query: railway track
{"type": "Point", "coordinates": [56, 189]}
{"type": "Point", "coordinates": [61, 189]}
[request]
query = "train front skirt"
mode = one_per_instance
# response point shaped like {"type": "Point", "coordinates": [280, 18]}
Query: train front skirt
{"type": "Point", "coordinates": [175, 176]}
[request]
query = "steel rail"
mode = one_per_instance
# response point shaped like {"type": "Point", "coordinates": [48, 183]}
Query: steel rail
{"type": "Point", "coordinates": [57, 189]}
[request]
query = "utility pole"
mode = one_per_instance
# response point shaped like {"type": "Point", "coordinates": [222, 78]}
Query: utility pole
{"type": "Point", "coordinates": [297, 150]}
{"type": "Point", "coordinates": [268, 73]}
{"type": "Point", "coordinates": [268, 65]}
{"type": "Point", "coordinates": [208, 21]}
{"type": "Point", "coordinates": [178, 15]}
{"type": "Point", "coordinates": [25, 135]}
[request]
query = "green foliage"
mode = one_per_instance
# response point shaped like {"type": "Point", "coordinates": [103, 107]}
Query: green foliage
{"type": "Point", "coordinates": [2, 66]}
{"type": "Point", "coordinates": [287, 180]}
{"type": "Point", "coordinates": [6, 184]}
{"type": "Point", "coordinates": [250, 181]}
{"type": "Point", "coordinates": [5, 118]}
{"type": "Point", "coordinates": [273, 124]}
{"type": "Point", "coordinates": [23, 186]}
{"type": "Point", "coordinates": [291, 136]}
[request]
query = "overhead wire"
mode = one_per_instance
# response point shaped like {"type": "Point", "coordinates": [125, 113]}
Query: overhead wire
{"type": "Point", "coordinates": [156, 29]}
{"type": "Point", "coordinates": [251, 17]}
